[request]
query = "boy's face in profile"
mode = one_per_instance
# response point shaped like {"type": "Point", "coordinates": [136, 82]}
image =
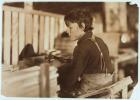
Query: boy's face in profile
{"type": "Point", "coordinates": [75, 31]}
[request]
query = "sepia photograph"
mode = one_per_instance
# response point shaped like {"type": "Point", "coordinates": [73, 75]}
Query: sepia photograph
{"type": "Point", "coordinates": [69, 49]}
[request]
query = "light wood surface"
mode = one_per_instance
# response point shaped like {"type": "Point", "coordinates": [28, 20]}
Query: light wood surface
{"type": "Point", "coordinates": [15, 38]}
{"type": "Point", "coordinates": [21, 31]}
{"type": "Point", "coordinates": [35, 32]}
{"type": "Point", "coordinates": [7, 37]}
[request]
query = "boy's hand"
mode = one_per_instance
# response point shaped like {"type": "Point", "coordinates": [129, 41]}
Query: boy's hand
{"type": "Point", "coordinates": [56, 63]}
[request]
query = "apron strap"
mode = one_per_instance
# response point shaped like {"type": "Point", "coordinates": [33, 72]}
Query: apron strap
{"type": "Point", "coordinates": [103, 67]}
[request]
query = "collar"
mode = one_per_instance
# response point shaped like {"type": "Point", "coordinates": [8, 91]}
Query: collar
{"type": "Point", "coordinates": [85, 37]}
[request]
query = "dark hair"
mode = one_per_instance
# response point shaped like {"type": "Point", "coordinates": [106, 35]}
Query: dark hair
{"type": "Point", "coordinates": [79, 16]}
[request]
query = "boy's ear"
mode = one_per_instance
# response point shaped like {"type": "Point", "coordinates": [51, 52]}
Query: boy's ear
{"type": "Point", "coordinates": [83, 25]}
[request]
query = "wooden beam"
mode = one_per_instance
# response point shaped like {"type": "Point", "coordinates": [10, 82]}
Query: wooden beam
{"type": "Point", "coordinates": [37, 12]}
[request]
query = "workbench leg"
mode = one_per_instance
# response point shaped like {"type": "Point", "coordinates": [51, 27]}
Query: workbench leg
{"type": "Point", "coordinates": [44, 80]}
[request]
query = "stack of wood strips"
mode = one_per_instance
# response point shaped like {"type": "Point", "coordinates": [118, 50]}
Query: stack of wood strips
{"type": "Point", "coordinates": [25, 83]}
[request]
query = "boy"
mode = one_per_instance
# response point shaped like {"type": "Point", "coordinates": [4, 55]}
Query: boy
{"type": "Point", "coordinates": [90, 67]}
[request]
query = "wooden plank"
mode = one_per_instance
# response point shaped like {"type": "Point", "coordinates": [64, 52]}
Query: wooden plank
{"type": "Point", "coordinates": [28, 29]}
{"type": "Point", "coordinates": [7, 37]}
{"type": "Point", "coordinates": [21, 31]}
{"type": "Point", "coordinates": [46, 34]}
{"type": "Point", "coordinates": [8, 8]}
{"type": "Point", "coordinates": [52, 32]}
{"type": "Point", "coordinates": [41, 35]}
{"type": "Point", "coordinates": [35, 32]}
{"type": "Point", "coordinates": [14, 38]}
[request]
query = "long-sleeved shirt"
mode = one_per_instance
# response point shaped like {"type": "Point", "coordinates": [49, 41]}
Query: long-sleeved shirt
{"type": "Point", "coordinates": [86, 59]}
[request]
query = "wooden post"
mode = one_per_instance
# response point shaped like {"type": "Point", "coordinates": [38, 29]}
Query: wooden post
{"type": "Point", "coordinates": [44, 80]}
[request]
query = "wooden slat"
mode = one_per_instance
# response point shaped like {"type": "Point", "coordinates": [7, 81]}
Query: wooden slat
{"type": "Point", "coordinates": [65, 27]}
{"type": "Point", "coordinates": [46, 34]}
{"type": "Point", "coordinates": [28, 29]}
{"type": "Point", "coordinates": [21, 31]}
{"type": "Point", "coordinates": [61, 25]}
{"type": "Point", "coordinates": [7, 37]}
{"type": "Point", "coordinates": [56, 27]}
{"type": "Point", "coordinates": [14, 38]}
{"type": "Point", "coordinates": [7, 8]}
{"type": "Point", "coordinates": [41, 35]}
{"type": "Point", "coordinates": [52, 32]}
{"type": "Point", "coordinates": [35, 32]}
